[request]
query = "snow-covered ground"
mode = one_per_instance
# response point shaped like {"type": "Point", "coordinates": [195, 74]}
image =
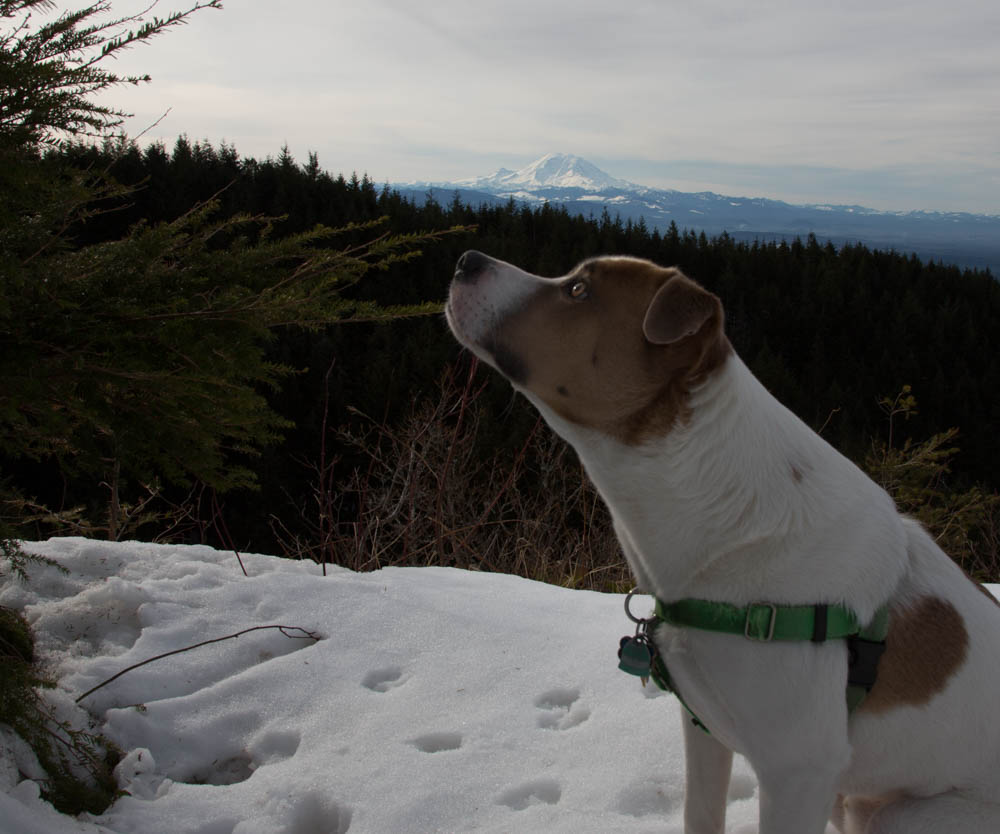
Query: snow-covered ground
{"type": "Point", "coordinates": [437, 700]}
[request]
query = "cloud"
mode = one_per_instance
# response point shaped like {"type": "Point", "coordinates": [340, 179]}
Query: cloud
{"type": "Point", "coordinates": [791, 87]}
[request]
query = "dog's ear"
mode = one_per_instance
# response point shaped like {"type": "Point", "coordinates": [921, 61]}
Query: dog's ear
{"type": "Point", "coordinates": [679, 309]}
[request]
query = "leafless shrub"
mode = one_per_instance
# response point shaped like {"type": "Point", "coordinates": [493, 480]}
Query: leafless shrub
{"type": "Point", "coordinates": [428, 493]}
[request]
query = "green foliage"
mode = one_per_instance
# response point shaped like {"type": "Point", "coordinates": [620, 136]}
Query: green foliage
{"type": "Point", "coordinates": [51, 71]}
{"type": "Point", "coordinates": [17, 561]}
{"type": "Point", "coordinates": [147, 353]}
{"type": "Point", "coordinates": [139, 358]}
{"type": "Point", "coordinates": [916, 476]}
{"type": "Point", "coordinates": [16, 643]}
{"type": "Point", "coordinates": [78, 764]}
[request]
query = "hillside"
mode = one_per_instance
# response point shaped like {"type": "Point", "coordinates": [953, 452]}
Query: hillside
{"type": "Point", "coordinates": [964, 239]}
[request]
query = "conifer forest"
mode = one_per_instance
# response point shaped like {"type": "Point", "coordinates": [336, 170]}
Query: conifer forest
{"type": "Point", "coordinates": [368, 438]}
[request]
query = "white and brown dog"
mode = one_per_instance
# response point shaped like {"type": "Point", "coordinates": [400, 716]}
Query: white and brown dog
{"type": "Point", "coordinates": [720, 493]}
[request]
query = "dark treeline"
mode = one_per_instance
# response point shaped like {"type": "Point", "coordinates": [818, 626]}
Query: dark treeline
{"type": "Point", "coordinates": [830, 332]}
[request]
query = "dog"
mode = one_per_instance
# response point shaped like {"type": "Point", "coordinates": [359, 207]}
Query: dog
{"type": "Point", "coordinates": [718, 492]}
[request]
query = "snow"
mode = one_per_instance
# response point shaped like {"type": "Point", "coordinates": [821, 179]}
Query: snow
{"type": "Point", "coordinates": [436, 700]}
{"type": "Point", "coordinates": [600, 198]}
{"type": "Point", "coordinates": [552, 170]}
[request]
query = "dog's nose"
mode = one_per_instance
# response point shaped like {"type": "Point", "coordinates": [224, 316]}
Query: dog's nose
{"type": "Point", "coordinates": [471, 265]}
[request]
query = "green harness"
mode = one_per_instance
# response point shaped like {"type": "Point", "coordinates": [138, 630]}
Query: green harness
{"type": "Point", "coordinates": [764, 623]}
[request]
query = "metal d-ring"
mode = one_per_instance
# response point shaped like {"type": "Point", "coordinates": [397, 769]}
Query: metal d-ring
{"type": "Point", "coordinates": [628, 612]}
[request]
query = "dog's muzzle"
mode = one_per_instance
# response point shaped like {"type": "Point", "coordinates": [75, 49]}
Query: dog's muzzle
{"type": "Point", "coordinates": [476, 307]}
{"type": "Point", "coordinates": [471, 265]}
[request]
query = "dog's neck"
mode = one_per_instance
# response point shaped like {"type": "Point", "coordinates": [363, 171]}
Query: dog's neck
{"type": "Point", "coordinates": [741, 502]}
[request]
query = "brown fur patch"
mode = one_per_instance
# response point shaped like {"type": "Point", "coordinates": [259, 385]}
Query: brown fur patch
{"type": "Point", "coordinates": [636, 390]}
{"type": "Point", "coordinates": [851, 814]}
{"type": "Point", "coordinates": [926, 645]}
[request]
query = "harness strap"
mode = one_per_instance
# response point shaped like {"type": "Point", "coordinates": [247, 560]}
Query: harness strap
{"type": "Point", "coordinates": [762, 620]}
{"type": "Point", "coordinates": [766, 622]}
{"type": "Point", "coordinates": [864, 652]}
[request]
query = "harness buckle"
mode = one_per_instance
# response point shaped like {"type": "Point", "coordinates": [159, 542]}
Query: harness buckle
{"type": "Point", "coordinates": [753, 629]}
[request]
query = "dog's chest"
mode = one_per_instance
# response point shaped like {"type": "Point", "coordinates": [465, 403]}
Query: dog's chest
{"type": "Point", "coordinates": [748, 694]}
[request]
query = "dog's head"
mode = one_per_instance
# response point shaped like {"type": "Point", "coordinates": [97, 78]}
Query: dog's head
{"type": "Point", "coordinates": [616, 345]}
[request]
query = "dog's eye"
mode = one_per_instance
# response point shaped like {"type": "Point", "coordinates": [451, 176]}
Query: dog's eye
{"type": "Point", "coordinates": [577, 290]}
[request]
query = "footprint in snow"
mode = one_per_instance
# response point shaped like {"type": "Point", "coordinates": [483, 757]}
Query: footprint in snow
{"type": "Point", "coordinates": [382, 680]}
{"type": "Point", "coordinates": [277, 812]}
{"type": "Point", "coordinates": [437, 742]}
{"type": "Point", "coordinates": [313, 813]}
{"type": "Point", "coordinates": [228, 771]}
{"type": "Point", "coordinates": [545, 791]}
{"type": "Point", "coordinates": [560, 710]}
{"type": "Point", "coordinates": [273, 746]}
{"type": "Point", "coordinates": [650, 797]}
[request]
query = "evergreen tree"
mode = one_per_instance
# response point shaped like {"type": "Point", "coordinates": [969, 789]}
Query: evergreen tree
{"type": "Point", "coordinates": [138, 359]}
{"type": "Point", "coordinates": [51, 71]}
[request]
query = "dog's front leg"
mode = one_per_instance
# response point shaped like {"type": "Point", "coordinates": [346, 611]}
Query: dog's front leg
{"type": "Point", "coordinates": [796, 800]}
{"type": "Point", "coordinates": [708, 764]}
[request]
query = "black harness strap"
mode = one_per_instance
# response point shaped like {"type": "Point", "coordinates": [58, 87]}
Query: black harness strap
{"type": "Point", "coordinates": [822, 613]}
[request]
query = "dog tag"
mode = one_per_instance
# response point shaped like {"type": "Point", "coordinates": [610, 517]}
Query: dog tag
{"type": "Point", "coordinates": [635, 657]}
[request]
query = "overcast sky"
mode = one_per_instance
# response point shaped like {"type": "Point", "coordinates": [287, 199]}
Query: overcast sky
{"type": "Point", "coordinates": [893, 104]}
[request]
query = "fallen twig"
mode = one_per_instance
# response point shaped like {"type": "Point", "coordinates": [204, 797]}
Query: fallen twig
{"type": "Point", "coordinates": [306, 635]}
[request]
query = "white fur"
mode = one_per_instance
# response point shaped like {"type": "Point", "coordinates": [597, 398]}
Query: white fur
{"type": "Point", "coordinates": [744, 503]}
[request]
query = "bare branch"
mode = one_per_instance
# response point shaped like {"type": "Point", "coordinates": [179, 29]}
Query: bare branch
{"type": "Point", "coordinates": [305, 635]}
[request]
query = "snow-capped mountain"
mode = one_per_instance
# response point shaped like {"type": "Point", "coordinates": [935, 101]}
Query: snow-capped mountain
{"type": "Point", "coordinates": [970, 240]}
{"type": "Point", "coordinates": [554, 170]}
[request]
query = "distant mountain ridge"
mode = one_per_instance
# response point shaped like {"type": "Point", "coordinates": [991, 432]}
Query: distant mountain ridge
{"type": "Point", "coordinates": [965, 239]}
